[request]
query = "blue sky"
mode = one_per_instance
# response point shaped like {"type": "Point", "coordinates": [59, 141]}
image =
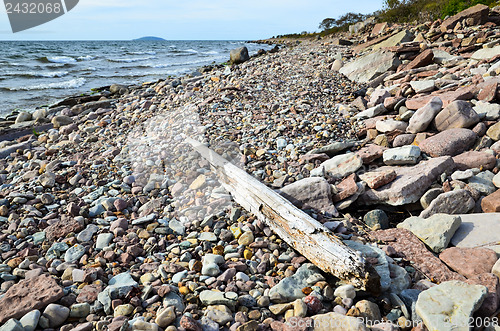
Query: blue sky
{"type": "Point", "coordinates": [187, 19]}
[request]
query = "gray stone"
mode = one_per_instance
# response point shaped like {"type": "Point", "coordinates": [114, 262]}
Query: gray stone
{"type": "Point", "coordinates": [450, 305]}
{"type": "Point", "coordinates": [220, 314]}
{"type": "Point", "coordinates": [458, 114]}
{"type": "Point", "coordinates": [207, 236]}
{"type": "Point", "coordinates": [487, 111]}
{"type": "Point", "coordinates": [345, 292]}
{"type": "Point", "coordinates": [371, 112]}
{"type": "Point", "coordinates": [79, 310]}
{"type": "Point", "coordinates": [425, 115]}
{"type": "Point", "coordinates": [486, 53]}
{"type": "Point", "coordinates": [30, 320]}
{"type": "Point", "coordinates": [239, 55]}
{"type": "Point", "coordinates": [376, 219]}
{"type": "Point", "coordinates": [333, 148]}
{"type": "Point", "coordinates": [56, 314]}
{"type": "Point", "coordinates": [290, 288]}
{"type": "Point", "coordinates": [12, 325]}
{"type": "Point", "coordinates": [430, 195]}
{"type": "Point", "coordinates": [381, 266]}
{"type": "Point", "coordinates": [23, 117]}
{"type": "Point", "coordinates": [103, 240]}
{"type": "Point", "coordinates": [210, 298]}
{"type": "Point", "coordinates": [423, 86]}
{"type": "Point", "coordinates": [483, 182]}
{"type": "Point", "coordinates": [118, 286]}
{"type": "Point", "coordinates": [61, 120]}
{"type": "Point", "coordinates": [339, 166]}
{"type": "Point", "coordinates": [310, 193]}
{"type": "Point", "coordinates": [86, 235]}
{"type": "Point", "coordinates": [177, 227]}
{"type": "Point", "coordinates": [410, 297]}
{"type": "Point", "coordinates": [400, 280]}
{"type": "Point", "coordinates": [165, 317]}
{"type": "Point", "coordinates": [47, 179]}
{"type": "Point", "coordinates": [174, 300]}
{"type": "Point", "coordinates": [478, 230]}
{"type": "Point", "coordinates": [74, 253]}
{"type": "Point", "coordinates": [402, 155]}
{"type": "Point", "coordinates": [453, 202]}
{"type": "Point", "coordinates": [462, 175]}
{"type": "Point", "coordinates": [370, 66]}
{"type": "Point", "coordinates": [411, 182]}
{"type": "Point", "coordinates": [395, 40]}
{"type": "Point", "coordinates": [390, 125]}
{"type": "Point", "coordinates": [435, 231]}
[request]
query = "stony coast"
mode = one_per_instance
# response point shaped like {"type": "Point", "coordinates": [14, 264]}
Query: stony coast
{"type": "Point", "coordinates": [389, 136]}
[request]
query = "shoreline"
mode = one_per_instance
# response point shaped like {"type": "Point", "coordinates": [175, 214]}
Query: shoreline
{"type": "Point", "coordinates": [392, 144]}
{"type": "Point", "coordinates": [52, 109]}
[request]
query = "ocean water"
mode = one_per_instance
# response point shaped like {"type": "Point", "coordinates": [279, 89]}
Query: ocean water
{"type": "Point", "coordinates": [38, 73]}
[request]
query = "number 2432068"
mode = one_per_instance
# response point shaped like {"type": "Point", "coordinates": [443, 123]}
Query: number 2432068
{"type": "Point", "coordinates": [33, 8]}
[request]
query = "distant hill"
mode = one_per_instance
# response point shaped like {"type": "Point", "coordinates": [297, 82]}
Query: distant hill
{"type": "Point", "coordinates": [149, 38]}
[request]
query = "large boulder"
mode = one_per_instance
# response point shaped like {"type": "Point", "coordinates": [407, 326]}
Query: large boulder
{"type": "Point", "coordinates": [424, 116]}
{"type": "Point", "coordinates": [239, 55]}
{"type": "Point", "coordinates": [436, 231]}
{"type": "Point", "coordinates": [395, 40]}
{"type": "Point", "coordinates": [450, 305]}
{"type": "Point", "coordinates": [450, 142]}
{"type": "Point", "coordinates": [410, 184]}
{"type": "Point", "coordinates": [27, 295]}
{"type": "Point", "coordinates": [475, 15]}
{"type": "Point", "coordinates": [458, 114]}
{"type": "Point", "coordinates": [370, 66]}
{"type": "Point", "coordinates": [453, 202]}
{"type": "Point", "coordinates": [312, 192]}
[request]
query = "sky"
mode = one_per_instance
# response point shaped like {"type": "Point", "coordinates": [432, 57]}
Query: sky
{"type": "Point", "coordinates": [187, 19]}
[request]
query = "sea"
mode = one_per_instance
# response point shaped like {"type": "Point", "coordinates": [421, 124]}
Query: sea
{"type": "Point", "coordinates": [40, 73]}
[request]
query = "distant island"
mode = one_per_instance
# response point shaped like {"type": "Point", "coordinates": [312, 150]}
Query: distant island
{"type": "Point", "coordinates": [149, 38]}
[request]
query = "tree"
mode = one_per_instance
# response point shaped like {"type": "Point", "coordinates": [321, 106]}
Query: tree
{"type": "Point", "coordinates": [327, 23]}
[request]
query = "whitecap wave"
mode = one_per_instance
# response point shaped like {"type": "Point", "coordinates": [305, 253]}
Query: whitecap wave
{"type": "Point", "coordinates": [74, 83]}
{"type": "Point", "coordinates": [129, 60]}
{"type": "Point", "coordinates": [86, 58]}
{"type": "Point", "coordinates": [142, 53]}
{"type": "Point", "coordinates": [61, 59]}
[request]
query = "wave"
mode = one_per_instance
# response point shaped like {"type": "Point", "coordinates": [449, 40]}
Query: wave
{"type": "Point", "coordinates": [33, 74]}
{"type": "Point", "coordinates": [86, 58]}
{"type": "Point", "coordinates": [210, 52]}
{"type": "Point", "coordinates": [142, 53]}
{"type": "Point", "coordinates": [190, 50]}
{"type": "Point", "coordinates": [74, 83]}
{"type": "Point", "coordinates": [132, 59]}
{"type": "Point", "coordinates": [57, 59]}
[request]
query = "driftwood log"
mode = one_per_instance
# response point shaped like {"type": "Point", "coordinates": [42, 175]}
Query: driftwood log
{"type": "Point", "coordinates": [309, 237]}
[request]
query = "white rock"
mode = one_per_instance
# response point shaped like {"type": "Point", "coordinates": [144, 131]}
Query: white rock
{"type": "Point", "coordinates": [345, 292]}
{"type": "Point", "coordinates": [435, 231]}
{"type": "Point", "coordinates": [390, 125]}
{"type": "Point", "coordinates": [408, 154]}
{"type": "Point", "coordinates": [422, 86]}
{"type": "Point", "coordinates": [450, 305]}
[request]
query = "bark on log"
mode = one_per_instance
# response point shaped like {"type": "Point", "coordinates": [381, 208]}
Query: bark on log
{"type": "Point", "coordinates": [309, 237]}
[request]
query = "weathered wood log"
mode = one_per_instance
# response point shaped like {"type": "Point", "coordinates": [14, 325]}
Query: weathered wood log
{"type": "Point", "coordinates": [309, 237]}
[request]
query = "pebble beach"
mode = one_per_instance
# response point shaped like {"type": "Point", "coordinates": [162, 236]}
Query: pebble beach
{"type": "Point", "coordinates": [388, 136]}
